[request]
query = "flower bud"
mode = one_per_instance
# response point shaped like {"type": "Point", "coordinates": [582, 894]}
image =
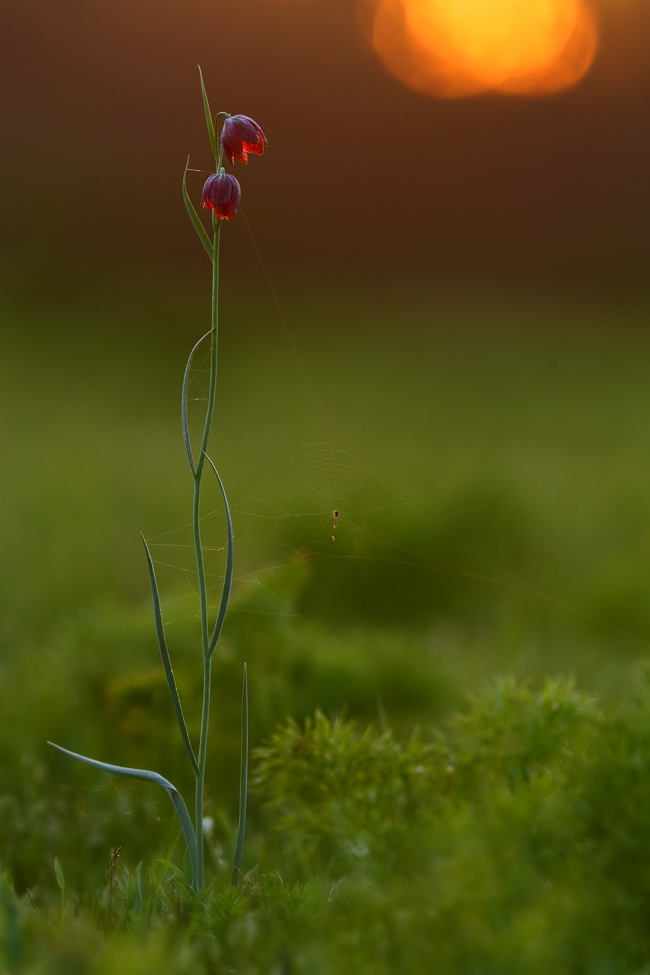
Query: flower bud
{"type": "Point", "coordinates": [221, 194]}
{"type": "Point", "coordinates": [241, 135]}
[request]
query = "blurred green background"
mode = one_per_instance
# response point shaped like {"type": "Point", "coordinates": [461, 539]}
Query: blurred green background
{"type": "Point", "coordinates": [453, 353]}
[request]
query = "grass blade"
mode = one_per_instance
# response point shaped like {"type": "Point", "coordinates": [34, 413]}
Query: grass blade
{"type": "Point", "coordinates": [243, 783]}
{"type": "Point", "coordinates": [146, 776]}
{"type": "Point", "coordinates": [230, 557]}
{"type": "Point", "coordinates": [166, 661]}
{"type": "Point", "coordinates": [201, 232]}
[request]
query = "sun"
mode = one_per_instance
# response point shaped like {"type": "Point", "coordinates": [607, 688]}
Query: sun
{"type": "Point", "coordinates": [455, 48]}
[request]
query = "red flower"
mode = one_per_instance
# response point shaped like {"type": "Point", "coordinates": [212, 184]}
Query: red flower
{"type": "Point", "coordinates": [241, 135]}
{"type": "Point", "coordinates": [222, 194]}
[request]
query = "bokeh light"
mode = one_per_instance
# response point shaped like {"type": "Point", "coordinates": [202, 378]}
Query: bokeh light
{"type": "Point", "coordinates": [456, 48]}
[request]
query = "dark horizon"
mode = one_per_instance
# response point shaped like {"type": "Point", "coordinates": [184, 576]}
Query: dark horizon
{"type": "Point", "coordinates": [363, 176]}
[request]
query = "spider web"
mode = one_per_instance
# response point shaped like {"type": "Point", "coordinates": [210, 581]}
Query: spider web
{"type": "Point", "coordinates": [323, 505]}
{"type": "Point", "coordinates": [321, 502]}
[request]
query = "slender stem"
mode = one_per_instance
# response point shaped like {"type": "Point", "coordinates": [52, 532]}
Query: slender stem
{"type": "Point", "coordinates": [219, 120]}
{"type": "Point", "coordinates": [243, 784]}
{"type": "Point", "coordinates": [200, 563]}
{"type": "Point", "coordinates": [197, 470]}
{"type": "Point", "coordinates": [200, 461]}
{"type": "Point", "coordinates": [200, 778]}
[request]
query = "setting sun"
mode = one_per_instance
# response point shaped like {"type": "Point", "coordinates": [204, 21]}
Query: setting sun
{"type": "Point", "coordinates": [454, 48]}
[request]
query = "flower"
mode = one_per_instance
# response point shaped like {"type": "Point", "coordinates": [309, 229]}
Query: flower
{"type": "Point", "coordinates": [222, 194]}
{"type": "Point", "coordinates": [241, 135]}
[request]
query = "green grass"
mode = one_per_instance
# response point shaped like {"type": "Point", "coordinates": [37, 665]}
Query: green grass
{"type": "Point", "coordinates": [494, 521]}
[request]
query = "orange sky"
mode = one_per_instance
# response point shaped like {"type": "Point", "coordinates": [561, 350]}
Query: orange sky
{"type": "Point", "coordinates": [364, 174]}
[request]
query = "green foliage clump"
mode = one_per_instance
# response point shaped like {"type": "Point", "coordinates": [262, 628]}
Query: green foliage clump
{"type": "Point", "coordinates": [345, 795]}
{"type": "Point", "coordinates": [512, 733]}
{"type": "Point", "coordinates": [508, 844]}
{"type": "Point", "coordinates": [515, 840]}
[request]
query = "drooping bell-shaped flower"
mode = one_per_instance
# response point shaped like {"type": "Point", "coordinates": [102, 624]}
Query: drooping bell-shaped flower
{"type": "Point", "coordinates": [241, 135]}
{"type": "Point", "coordinates": [221, 194]}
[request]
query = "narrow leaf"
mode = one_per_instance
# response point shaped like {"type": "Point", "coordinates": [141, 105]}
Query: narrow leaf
{"type": "Point", "coordinates": [138, 885]}
{"type": "Point", "coordinates": [58, 870]}
{"type": "Point", "coordinates": [227, 581]}
{"type": "Point", "coordinates": [194, 217]}
{"type": "Point", "coordinates": [186, 381]}
{"type": "Point", "coordinates": [243, 783]}
{"type": "Point", "coordinates": [166, 661]}
{"type": "Point", "coordinates": [136, 773]}
{"type": "Point", "coordinates": [209, 118]}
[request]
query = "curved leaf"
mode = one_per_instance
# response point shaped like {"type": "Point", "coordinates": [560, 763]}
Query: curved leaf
{"type": "Point", "coordinates": [227, 581]}
{"type": "Point", "coordinates": [186, 380]}
{"type": "Point", "coordinates": [166, 660]}
{"type": "Point", "coordinates": [147, 776]}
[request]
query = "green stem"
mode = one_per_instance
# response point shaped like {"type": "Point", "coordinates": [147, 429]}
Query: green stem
{"type": "Point", "coordinates": [200, 562]}
{"type": "Point", "coordinates": [200, 461]}
{"type": "Point", "coordinates": [243, 784]}
{"type": "Point", "coordinates": [200, 778]}
{"type": "Point", "coordinates": [219, 153]}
